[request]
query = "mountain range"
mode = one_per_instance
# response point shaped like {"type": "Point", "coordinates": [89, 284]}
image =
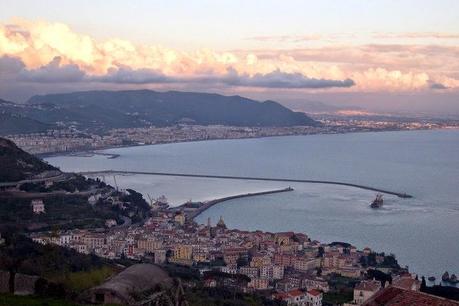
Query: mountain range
{"type": "Point", "coordinates": [103, 110]}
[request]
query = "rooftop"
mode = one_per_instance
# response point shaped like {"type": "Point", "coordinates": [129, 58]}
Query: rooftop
{"type": "Point", "coordinates": [393, 296]}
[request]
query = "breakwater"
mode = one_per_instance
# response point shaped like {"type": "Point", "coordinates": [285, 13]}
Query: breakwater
{"type": "Point", "coordinates": [195, 209]}
{"type": "Point", "coordinates": [114, 172]}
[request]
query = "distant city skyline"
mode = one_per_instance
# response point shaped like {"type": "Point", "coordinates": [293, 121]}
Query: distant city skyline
{"type": "Point", "coordinates": [381, 55]}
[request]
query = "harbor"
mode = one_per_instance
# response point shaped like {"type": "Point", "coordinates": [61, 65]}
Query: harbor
{"type": "Point", "coordinates": [251, 178]}
{"type": "Point", "coordinates": [194, 209]}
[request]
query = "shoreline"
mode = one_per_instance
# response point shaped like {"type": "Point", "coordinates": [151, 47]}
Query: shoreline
{"type": "Point", "coordinates": [133, 145]}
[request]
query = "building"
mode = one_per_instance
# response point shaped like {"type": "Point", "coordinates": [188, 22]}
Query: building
{"type": "Point", "coordinates": [292, 297]}
{"type": "Point", "coordinates": [395, 296]}
{"type": "Point", "coordinates": [365, 290]}
{"type": "Point", "coordinates": [38, 207]}
{"type": "Point", "coordinates": [258, 283]}
{"type": "Point", "coordinates": [149, 245]}
{"type": "Point", "coordinates": [406, 282]}
{"type": "Point", "coordinates": [183, 252]}
{"type": "Point", "coordinates": [314, 297]}
{"type": "Point", "coordinates": [180, 218]}
{"type": "Point", "coordinates": [315, 283]}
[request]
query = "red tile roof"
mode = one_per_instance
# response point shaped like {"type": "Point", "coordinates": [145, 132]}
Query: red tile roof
{"type": "Point", "coordinates": [314, 292]}
{"type": "Point", "coordinates": [393, 296]}
{"type": "Point", "coordinates": [295, 292]}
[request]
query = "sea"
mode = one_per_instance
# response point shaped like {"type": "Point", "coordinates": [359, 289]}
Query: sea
{"type": "Point", "coordinates": [423, 232]}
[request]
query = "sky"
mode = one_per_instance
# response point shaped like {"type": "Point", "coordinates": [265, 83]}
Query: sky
{"type": "Point", "coordinates": [395, 56]}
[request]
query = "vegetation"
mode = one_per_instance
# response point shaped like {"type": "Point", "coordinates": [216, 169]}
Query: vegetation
{"type": "Point", "coordinates": [198, 296]}
{"type": "Point", "coordinates": [103, 110]}
{"type": "Point", "coordinates": [448, 292]}
{"type": "Point", "coordinates": [16, 300]}
{"type": "Point", "coordinates": [21, 255]}
{"type": "Point", "coordinates": [18, 165]}
{"type": "Point", "coordinates": [82, 280]}
{"type": "Point", "coordinates": [73, 184]}
{"type": "Point", "coordinates": [11, 124]}
{"type": "Point", "coordinates": [337, 298]}
{"type": "Point", "coordinates": [62, 212]}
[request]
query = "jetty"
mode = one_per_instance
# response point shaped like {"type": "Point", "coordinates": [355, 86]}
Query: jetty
{"type": "Point", "coordinates": [194, 209]}
{"type": "Point", "coordinates": [249, 178]}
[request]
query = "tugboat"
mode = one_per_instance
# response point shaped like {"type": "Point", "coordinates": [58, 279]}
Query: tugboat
{"type": "Point", "coordinates": [445, 277]}
{"type": "Point", "coordinates": [378, 202]}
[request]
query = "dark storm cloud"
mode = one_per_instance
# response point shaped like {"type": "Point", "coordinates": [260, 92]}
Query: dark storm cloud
{"type": "Point", "coordinates": [437, 86]}
{"type": "Point", "coordinates": [279, 79]}
{"type": "Point", "coordinates": [127, 75]}
{"type": "Point", "coordinates": [52, 72]}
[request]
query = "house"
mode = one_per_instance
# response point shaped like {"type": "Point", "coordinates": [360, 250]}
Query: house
{"type": "Point", "coordinates": [258, 283]}
{"type": "Point", "coordinates": [315, 283]}
{"type": "Point", "coordinates": [180, 218]}
{"type": "Point", "coordinates": [110, 222]}
{"type": "Point", "coordinates": [406, 281]}
{"type": "Point", "coordinates": [292, 297]}
{"type": "Point", "coordinates": [365, 290]}
{"type": "Point", "coordinates": [314, 297]}
{"type": "Point", "coordinates": [38, 207]}
{"type": "Point", "coordinates": [395, 296]}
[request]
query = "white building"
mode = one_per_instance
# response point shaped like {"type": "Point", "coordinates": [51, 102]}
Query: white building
{"type": "Point", "coordinates": [38, 207]}
{"type": "Point", "coordinates": [314, 297]}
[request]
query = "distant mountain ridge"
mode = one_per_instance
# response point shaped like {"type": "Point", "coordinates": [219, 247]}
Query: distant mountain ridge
{"type": "Point", "coordinates": [135, 108]}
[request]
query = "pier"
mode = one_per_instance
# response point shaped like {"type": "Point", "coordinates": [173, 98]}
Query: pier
{"type": "Point", "coordinates": [194, 209]}
{"type": "Point", "coordinates": [249, 178]}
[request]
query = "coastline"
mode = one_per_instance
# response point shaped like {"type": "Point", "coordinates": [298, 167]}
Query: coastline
{"type": "Point", "coordinates": [89, 153]}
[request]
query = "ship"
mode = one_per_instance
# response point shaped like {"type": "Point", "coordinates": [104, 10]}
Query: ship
{"type": "Point", "coordinates": [377, 202]}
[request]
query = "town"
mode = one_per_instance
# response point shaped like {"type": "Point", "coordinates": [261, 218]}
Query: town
{"type": "Point", "coordinates": [286, 266]}
{"type": "Point", "coordinates": [69, 139]}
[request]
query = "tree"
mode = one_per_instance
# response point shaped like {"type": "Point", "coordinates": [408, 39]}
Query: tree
{"type": "Point", "coordinates": [321, 252]}
{"type": "Point", "coordinates": [423, 284]}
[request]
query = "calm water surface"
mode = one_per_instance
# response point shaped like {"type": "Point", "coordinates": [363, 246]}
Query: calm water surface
{"type": "Point", "coordinates": [423, 232]}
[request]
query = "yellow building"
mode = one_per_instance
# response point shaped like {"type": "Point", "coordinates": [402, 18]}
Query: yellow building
{"type": "Point", "coordinates": [183, 252]}
{"type": "Point", "coordinates": [180, 218]}
{"type": "Point", "coordinates": [149, 245]}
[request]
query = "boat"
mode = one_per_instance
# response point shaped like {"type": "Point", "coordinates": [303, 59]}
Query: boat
{"type": "Point", "coordinates": [445, 277]}
{"type": "Point", "coordinates": [378, 201]}
{"type": "Point", "coordinates": [453, 279]}
{"type": "Point", "coordinates": [431, 278]}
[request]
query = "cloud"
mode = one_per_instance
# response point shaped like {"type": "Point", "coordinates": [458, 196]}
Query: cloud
{"type": "Point", "coordinates": [48, 52]}
{"type": "Point", "coordinates": [127, 75]}
{"type": "Point", "coordinates": [279, 79]}
{"type": "Point", "coordinates": [10, 67]}
{"type": "Point", "coordinates": [53, 72]}
{"type": "Point", "coordinates": [416, 35]}
{"type": "Point", "coordinates": [439, 86]}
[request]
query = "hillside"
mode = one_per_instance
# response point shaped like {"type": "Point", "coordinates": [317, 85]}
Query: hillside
{"type": "Point", "coordinates": [117, 109]}
{"type": "Point", "coordinates": [11, 124]}
{"type": "Point", "coordinates": [18, 165]}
